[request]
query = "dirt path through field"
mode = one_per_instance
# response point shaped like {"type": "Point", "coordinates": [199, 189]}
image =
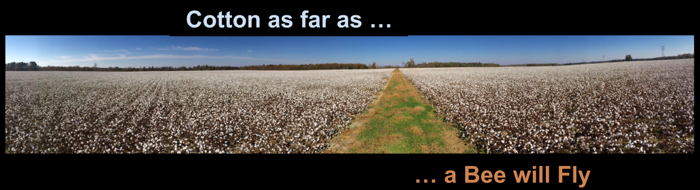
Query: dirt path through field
{"type": "Point", "coordinates": [399, 121]}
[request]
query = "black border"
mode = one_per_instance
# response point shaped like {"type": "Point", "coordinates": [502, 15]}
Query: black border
{"type": "Point", "coordinates": [420, 18]}
{"type": "Point", "coordinates": [355, 170]}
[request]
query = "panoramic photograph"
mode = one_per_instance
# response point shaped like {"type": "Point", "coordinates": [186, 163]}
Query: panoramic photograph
{"type": "Point", "coordinates": [350, 95]}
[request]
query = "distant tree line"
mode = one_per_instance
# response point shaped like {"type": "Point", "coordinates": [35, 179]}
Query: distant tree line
{"type": "Point", "coordinates": [629, 58]}
{"type": "Point", "coordinates": [679, 56]}
{"type": "Point", "coordinates": [32, 66]}
{"type": "Point", "coordinates": [413, 64]}
{"type": "Point", "coordinates": [22, 66]}
{"type": "Point", "coordinates": [310, 66]}
{"type": "Point", "coordinates": [541, 64]}
{"type": "Point", "coordinates": [532, 65]}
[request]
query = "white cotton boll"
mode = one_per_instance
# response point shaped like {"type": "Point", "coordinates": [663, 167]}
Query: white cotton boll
{"type": "Point", "coordinates": [585, 108]}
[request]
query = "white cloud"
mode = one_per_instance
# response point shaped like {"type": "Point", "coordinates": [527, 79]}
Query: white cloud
{"type": "Point", "coordinates": [118, 50]}
{"type": "Point", "coordinates": [250, 51]}
{"type": "Point", "coordinates": [137, 48]}
{"type": "Point", "coordinates": [65, 57]}
{"type": "Point", "coordinates": [192, 48]}
{"type": "Point", "coordinates": [94, 57]}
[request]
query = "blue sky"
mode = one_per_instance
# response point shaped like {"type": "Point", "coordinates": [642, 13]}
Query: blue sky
{"type": "Point", "coordinates": [138, 51]}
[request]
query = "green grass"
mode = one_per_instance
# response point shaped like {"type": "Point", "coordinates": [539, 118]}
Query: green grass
{"type": "Point", "coordinates": [410, 141]}
{"type": "Point", "coordinates": [404, 123]}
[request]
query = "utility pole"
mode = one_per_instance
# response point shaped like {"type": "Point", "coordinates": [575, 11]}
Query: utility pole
{"type": "Point", "coordinates": [662, 51]}
{"type": "Point", "coordinates": [603, 57]}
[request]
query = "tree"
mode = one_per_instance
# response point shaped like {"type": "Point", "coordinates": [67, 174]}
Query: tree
{"type": "Point", "coordinates": [22, 66]}
{"type": "Point", "coordinates": [33, 66]}
{"type": "Point", "coordinates": [374, 65]}
{"type": "Point", "coordinates": [411, 63]}
{"type": "Point", "coordinates": [628, 58]}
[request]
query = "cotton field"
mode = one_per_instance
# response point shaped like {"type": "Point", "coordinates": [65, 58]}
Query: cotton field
{"type": "Point", "coordinates": [183, 112]}
{"type": "Point", "coordinates": [619, 108]}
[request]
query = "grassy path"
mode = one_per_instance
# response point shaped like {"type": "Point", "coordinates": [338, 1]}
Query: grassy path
{"type": "Point", "coordinates": [399, 121]}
